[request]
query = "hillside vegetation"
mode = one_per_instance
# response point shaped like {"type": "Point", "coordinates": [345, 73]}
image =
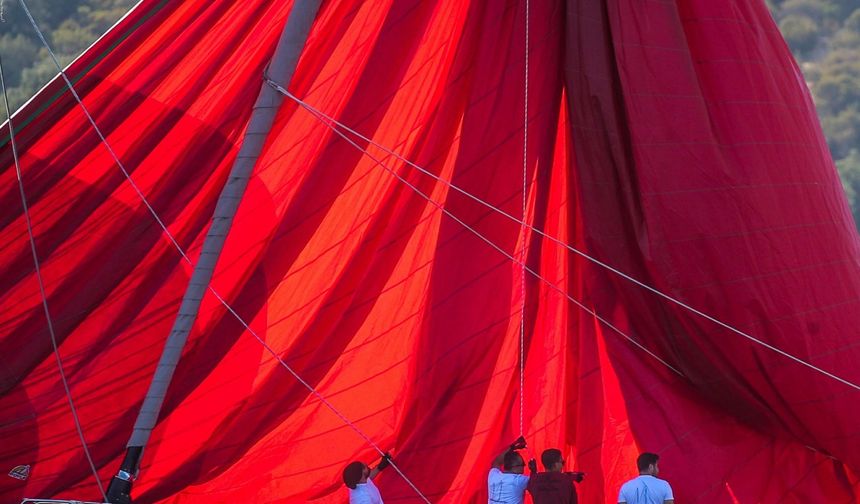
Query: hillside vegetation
{"type": "Point", "coordinates": [824, 36]}
{"type": "Point", "coordinates": [70, 27]}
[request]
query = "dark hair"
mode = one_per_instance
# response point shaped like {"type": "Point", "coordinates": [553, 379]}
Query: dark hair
{"type": "Point", "coordinates": [513, 458]}
{"type": "Point", "coordinates": [645, 460]}
{"type": "Point", "coordinates": [353, 473]}
{"type": "Point", "coordinates": [550, 457]}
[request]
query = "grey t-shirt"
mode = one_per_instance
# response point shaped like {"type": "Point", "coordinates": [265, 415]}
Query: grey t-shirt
{"type": "Point", "coordinates": [365, 493]}
{"type": "Point", "coordinates": [506, 488]}
{"type": "Point", "coordinates": [645, 490]}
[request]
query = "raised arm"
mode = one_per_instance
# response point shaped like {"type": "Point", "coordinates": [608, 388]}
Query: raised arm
{"type": "Point", "coordinates": [385, 462]}
{"type": "Point", "coordinates": [500, 458]}
{"type": "Point", "coordinates": [519, 444]}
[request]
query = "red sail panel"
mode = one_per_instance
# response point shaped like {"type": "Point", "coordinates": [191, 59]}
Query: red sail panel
{"type": "Point", "coordinates": [675, 142]}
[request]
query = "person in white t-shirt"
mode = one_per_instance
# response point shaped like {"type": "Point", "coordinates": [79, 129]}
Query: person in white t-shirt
{"type": "Point", "coordinates": [508, 485]}
{"type": "Point", "coordinates": [358, 477]}
{"type": "Point", "coordinates": [647, 488]}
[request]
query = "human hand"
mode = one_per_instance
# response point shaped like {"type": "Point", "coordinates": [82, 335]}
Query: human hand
{"type": "Point", "coordinates": [533, 465]}
{"type": "Point", "coordinates": [578, 476]}
{"type": "Point", "coordinates": [518, 444]}
{"type": "Point", "coordinates": [385, 462]}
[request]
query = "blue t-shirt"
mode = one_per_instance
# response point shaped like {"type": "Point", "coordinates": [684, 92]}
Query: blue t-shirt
{"type": "Point", "coordinates": [365, 493]}
{"type": "Point", "coordinates": [506, 488]}
{"type": "Point", "coordinates": [645, 490]}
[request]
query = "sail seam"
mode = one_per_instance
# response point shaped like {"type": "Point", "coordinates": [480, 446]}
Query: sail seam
{"type": "Point", "coordinates": [42, 291]}
{"type": "Point", "coordinates": [85, 70]}
{"type": "Point", "coordinates": [570, 248]}
{"type": "Point", "coordinates": [331, 122]}
{"type": "Point", "coordinates": [185, 257]}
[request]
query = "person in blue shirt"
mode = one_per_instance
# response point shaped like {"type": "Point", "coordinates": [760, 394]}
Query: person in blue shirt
{"type": "Point", "coordinates": [508, 485]}
{"type": "Point", "coordinates": [358, 477]}
{"type": "Point", "coordinates": [646, 488]}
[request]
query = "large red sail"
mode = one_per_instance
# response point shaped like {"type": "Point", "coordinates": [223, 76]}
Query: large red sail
{"type": "Point", "coordinates": [674, 141]}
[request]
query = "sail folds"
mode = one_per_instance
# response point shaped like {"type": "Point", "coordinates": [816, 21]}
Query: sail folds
{"type": "Point", "coordinates": [674, 141]}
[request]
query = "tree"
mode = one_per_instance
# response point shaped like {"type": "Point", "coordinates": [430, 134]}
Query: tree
{"type": "Point", "coordinates": [849, 172]}
{"type": "Point", "coordinates": [18, 53]}
{"type": "Point", "coordinates": [70, 27]}
{"type": "Point", "coordinates": [842, 131]}
{"type": "Point", "coordinates": [32, 78]}
{"type": "Point", "coordinates": [800, 31]}
{"type": "Point", "coordinates": [71, 39]}
{"type": "Point", "coordinates": [816, 10]}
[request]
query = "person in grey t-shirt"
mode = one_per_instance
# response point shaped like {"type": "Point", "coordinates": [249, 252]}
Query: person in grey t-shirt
{"type": "Point", "coordinates": [508, 486]}
{"type": "Point", "coordinates": [646, 488]}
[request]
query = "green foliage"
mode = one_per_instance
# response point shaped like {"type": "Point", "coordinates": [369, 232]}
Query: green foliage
{"type": "Point", "coordinates": [813, 9]}
{"type": "Point", "coordinates": [849, 172]}
{"type": "Point", "coordinates": [844, 8]}
{"type": "Point", "coordinates": [800, 31]}
{"type": "Point", "coordinates": [72, 38]}
{"type": "Point", "coordinates": [829, 55]}
{"type": "Point", "coordinates": [70, 27]}
{"type": "Point", "coordinates": [18, 52]}
{"type": "Point", "coordinates": [852, 26]}
{"type": "Point", "coordinates": [33, 77]}
{"type": "Point", "coordinates": [843, 129]}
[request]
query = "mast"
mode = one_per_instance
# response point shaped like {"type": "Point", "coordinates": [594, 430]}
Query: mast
{"type": "Point", "coordinates": [281, 69]}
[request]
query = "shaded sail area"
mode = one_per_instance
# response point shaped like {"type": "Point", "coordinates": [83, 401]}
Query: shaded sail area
{"type": "Point", "coordinates": [677, 143]}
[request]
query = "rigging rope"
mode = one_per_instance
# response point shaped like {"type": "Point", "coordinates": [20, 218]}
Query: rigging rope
{"type": "Point", "coordinates": [569, 247]}
{"type": "Point", "coordinates": [319, 396]}
{"type": "Point", "coordinates": [41, 283]}
{"type": "Point", "coordinates": [523, 229]}
{"type": "Point", "coordinates": [331, 123]}
{"type": "Point", "coordinates": [185, 257]}
{"type": "Point", "coordinates": [522, 222]}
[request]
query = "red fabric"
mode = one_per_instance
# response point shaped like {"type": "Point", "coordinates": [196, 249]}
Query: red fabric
{"type": "Point", "coordinates": [673, 140]}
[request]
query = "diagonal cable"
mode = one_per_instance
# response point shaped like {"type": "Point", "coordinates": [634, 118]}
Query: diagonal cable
{"type": "Point", "coordinates": [42, 291]}
{"type": "Point", "coordinates": [96, 128]}
{"type": "Point", "coordinates": [332, 124]}
{"type": "Point", "coordinates": [185, 257]}
{"type": "Point", "coordinates": [561, 243]}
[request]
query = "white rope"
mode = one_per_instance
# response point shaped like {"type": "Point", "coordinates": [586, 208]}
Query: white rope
{"type": "Point", "coordinates": [96, 128]}
{"type": "Point", "coordinates": [569, 247]}
{"type": "Point", "coordinates": [42, 291]}
{"type": "Point", "coordinates": [211, 289]}
{"type": "Point", "coordinates": [523, 229]}
{"type": "Point", "coordinates": [331, 124]}
{"type": "Point", "coordinates": [319, 396]}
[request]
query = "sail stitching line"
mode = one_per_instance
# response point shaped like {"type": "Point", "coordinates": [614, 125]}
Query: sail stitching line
{"type": "Point", "coordinates": [325, 120]}
{"type": "Point", "coordinates": [96, 128]}
{"type": "Point", "coordinates": [210, 288]}
{"type": "Point", "coordinates": [666, 296]}
{"type": "Point", "coordinates": [523, 230]}
{"type": "Point", "coordinates": [570, 247]}
{"type": "Point", "coordinates": [318, 395]}
{"type": "Point", "coordinates": [42, 291]}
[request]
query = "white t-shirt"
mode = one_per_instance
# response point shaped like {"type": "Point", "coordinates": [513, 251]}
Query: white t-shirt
{"type": "Point", "coordinates": [506, 488]}
{"type": "Point", "coordinates": [365, 493]}
{"type": "Point", "coordinates": [645, 490]}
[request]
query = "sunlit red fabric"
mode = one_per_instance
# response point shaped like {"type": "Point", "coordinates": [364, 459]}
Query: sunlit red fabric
{"type": "Point", "coordinates": [673, 140]}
